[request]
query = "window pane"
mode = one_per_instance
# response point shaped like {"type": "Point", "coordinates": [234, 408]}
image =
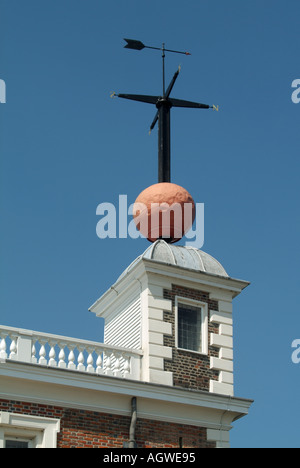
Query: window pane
{"type": "Point", "coordinates": [189, 327]}
{"type": "Point", "coordinates": [16, 444]}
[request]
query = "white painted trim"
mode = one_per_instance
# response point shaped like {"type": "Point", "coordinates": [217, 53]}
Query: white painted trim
{"type": "Point", "coordinates": [123, 287]}
{"type": "Point", "coordinates": [69, 380]}
{"type": "Point", "coordinates": [204, 322]}
{"type": "Point", "coordinates": [168, 273]}
{"type": "Point", "coordinates": [235, 286]}
{"type": "Point", "coordinates": [42, 431]}
{"type": "Point", "coordinates": [58, 387]}
{"type": "Point", "coordinates": [219, 436]}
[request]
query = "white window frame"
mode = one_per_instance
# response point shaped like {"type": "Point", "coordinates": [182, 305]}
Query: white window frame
{"type": "Point", "coordinates": [204, 323]}
{"type": "Point", "coordinates": [40, 432]}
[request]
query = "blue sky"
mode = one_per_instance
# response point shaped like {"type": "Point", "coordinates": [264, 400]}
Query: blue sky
{"type": "Point", "coordinates": [67, 147]}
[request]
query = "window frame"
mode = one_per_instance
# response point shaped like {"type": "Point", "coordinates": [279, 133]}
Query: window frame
{"type": "Point", "coordinates": [204, 323]}
{"type": "Point", "coordinates": [39, 432]}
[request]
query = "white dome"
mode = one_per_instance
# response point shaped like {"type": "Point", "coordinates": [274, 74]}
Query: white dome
{"type": "Point", "coordinates": [182, 256]}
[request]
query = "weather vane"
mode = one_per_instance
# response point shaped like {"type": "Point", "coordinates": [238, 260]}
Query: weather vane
{"type": "Point", "coordinates": [164, 104]}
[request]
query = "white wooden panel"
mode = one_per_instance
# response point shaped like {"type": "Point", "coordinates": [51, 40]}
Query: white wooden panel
{"type": "Point", "coordinates": [125, 328]}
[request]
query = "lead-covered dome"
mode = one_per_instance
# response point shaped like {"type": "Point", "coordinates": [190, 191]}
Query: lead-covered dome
{"type": "Point", "coordinates": [182, 256]}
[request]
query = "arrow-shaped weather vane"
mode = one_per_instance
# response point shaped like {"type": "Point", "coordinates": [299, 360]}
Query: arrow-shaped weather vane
{"type": "Point", "coordinates": [163, 104]}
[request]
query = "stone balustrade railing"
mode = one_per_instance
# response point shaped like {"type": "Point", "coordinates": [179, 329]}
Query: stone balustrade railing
{"type": "Point", "coordinates": [68, 353]}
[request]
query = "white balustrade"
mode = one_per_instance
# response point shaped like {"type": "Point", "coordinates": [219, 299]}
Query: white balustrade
{"type": "Point", "coordinates": [68, 353]}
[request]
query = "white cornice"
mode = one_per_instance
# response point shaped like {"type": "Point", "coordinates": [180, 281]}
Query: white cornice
{"type": "Point", "coordinates": [132, 280]}
{"type": "Point", "coordinates": [124, 286]}
{"type": "Point", "coordinates": [199, 277]}
{"type": "Point", "coordinates": [28, 382]}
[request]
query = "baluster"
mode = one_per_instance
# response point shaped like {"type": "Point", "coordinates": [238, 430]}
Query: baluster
{"type": "Point", "coordinates": [42, 353]}
{"type": "Point", "coordinates": [52, 361]}
{"type": "Point", "coordinates": [126, 368]}
{"type": "Point", "coordinates": [81, 366]}
{"type": "Point", "coordinates": [71, 358]}
{"type": "Point", "coordinates": [90, 361]}
{"type": "Point", "coordinates": [117, 366]}
{"type": "Point", "coordinates": [99, 363]}
{"type": "Point", "coordinates": [33, 354]}
{"type": "Point", "coordinates": [108, 370]}
{"type": "Point", "coordinates": [13, 348]}
{"type": "Point", "coordinates": [62, 363]}
{"type": "Point", "coordinates": [3, 353]}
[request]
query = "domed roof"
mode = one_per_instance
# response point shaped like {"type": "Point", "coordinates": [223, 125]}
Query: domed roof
{"type": "Point", "coordinates": [182, 256]}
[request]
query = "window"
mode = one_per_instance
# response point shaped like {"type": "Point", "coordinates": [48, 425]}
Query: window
{"type": "Point", "coordinates": [191, 325]}
{"type": "Point", "coordinates": [26, 431]}
{"type": "Point", "coordinates": [16, 443]}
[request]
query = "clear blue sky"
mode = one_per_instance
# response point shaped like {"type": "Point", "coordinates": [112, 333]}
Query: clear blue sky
{"type": "Point", "coordinates": [66, 147]}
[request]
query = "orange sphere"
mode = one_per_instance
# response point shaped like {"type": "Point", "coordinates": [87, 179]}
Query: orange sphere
{"type": "Point", "coordinates": [164, 211]}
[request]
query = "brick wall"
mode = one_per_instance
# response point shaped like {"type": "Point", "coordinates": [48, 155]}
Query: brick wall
{"type": "Point", "coordinates": [190, 370]}
{"type": "Point", "coordinates": [91, 429]}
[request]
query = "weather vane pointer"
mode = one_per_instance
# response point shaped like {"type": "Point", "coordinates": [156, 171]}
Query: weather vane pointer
{"type": "Point", "coordinates": [164, 104]}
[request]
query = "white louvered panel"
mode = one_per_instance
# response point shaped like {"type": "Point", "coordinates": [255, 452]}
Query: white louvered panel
{"type": "Point", "coordinates": [125, 328]}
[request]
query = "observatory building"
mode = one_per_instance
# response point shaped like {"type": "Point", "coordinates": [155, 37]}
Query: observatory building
{"type": "Point", "coordinates": [164, 375]}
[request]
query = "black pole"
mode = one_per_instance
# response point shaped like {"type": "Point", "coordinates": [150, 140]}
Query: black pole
{"type": "Point", "coordinates": [164, 131]}
{"type": "Point", "coordinates": [163, 65]}
{"type": "Point", "coordinates": [164, 141]}
{"type": "Point", "coordinates": [132, 442]}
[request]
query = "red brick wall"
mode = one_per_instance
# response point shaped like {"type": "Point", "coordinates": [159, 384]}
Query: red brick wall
{"type": "Point", "coordinates": [190, 370]}
{"type": "Point", "coordinates": [91, 429]}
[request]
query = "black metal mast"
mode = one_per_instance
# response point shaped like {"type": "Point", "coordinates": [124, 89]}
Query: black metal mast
{"type": "Point", "coordinates": [164, 104]}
